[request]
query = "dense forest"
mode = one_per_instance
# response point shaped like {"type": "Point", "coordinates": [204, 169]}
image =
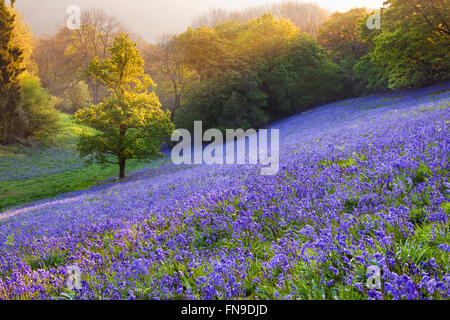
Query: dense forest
{"type": "Point", "coordinates": [345, 194]}
{"type": "Point", "coordinates": [231, 68]}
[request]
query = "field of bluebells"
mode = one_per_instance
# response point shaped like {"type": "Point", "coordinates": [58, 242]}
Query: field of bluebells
{"type": "Point", "coordinates": [53, 167]}
{"type": "Point", "coordinates": [41, 161]}
{"type": "Point", "coordinates": [362, 182]}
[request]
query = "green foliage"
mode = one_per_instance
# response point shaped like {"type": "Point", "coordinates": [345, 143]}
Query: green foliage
{"type": "Point", "coordinates": [26, 109]}
{"type": "Point", "coordinates": [203, 50]}
{"type": "Point", "coordinates": [233, 100]}
{"type": "Point", "coordinates": [130, 122]}
{"type": "Point", "coordinates": [411, 49]}
{"type": "Point", "coordinates": [340, 36]}
{"type": "Point", "coordinates": [52, 260]}
{"type": "Point", "coordinates": [77, 97]}
{"type": "Point", "coordinates": [37, 106]}
{"type": "Point", "coordinates": [269, 71]}
{"type": "Point", "coordinates": [61, 169]}
{"type": "Point", "coordinates": [24, 39]}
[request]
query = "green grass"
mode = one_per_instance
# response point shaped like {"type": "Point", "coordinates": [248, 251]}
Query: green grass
{"type": "Point", "coordinates": [37, 174]}
{"type": "Point", "coordinates": [16, 192]}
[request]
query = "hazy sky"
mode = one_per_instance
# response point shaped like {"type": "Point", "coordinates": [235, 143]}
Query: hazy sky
{"type": "Point", "coordinates": [151, 18]}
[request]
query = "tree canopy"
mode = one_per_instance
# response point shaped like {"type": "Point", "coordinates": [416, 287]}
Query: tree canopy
{"type": "Point", "coordinates": [129, 122]}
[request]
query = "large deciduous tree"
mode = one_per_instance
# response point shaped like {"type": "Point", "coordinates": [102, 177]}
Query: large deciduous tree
{"type": "Point", "coordinates": [203, 50]}
{"type": "Point", "coordinates": [129, 122]}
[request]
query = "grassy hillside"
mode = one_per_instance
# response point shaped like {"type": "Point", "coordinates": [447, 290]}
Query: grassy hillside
{"type": "Point", "coordinates": [362, 183]}
{"type": "Point", "coordinates": [33, 173]}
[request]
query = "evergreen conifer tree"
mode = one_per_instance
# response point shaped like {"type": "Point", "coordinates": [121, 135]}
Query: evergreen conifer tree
{"type": "Point", "coordinates": [10, 69]}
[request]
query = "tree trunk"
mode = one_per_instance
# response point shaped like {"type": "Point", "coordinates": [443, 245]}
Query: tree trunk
{"type": "Point", "coordinates": [95, 93]}
{"type": "Point", "coordinates": [176, 106]}
{"type": "Point", "coordinates": [122, 164]}
{"type": "Point", "coordinates": [122, 159]}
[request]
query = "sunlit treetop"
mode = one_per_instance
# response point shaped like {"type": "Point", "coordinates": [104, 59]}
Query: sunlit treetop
{"type": "Point", "coordinates": [124, 71]}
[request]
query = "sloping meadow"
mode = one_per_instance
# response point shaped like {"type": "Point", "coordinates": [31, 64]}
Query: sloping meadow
{"type": "Point", "coordinates": [362, 182]}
